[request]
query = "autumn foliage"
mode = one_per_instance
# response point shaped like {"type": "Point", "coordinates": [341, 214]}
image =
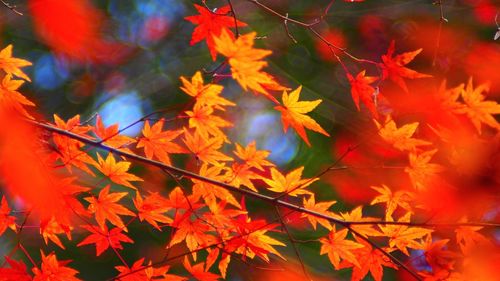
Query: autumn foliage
{"type": "Point", "coordinates": [416, 186]}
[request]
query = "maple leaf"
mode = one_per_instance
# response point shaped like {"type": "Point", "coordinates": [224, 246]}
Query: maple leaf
{"type": "Point", "coordinates": [205, 123]}
{"type": "Point", "coordinates": [11, 65]}
{"type": "Point", "coordinates": [116, 171]}
{"type": "Point", "coordinates": [210, 192]}
{"type": "Point", "coordinates": [290, 184]}
{"type": "Point", "coordinates": [404, 236]}
{"type": "Point", "coordinates": [16, 272]}
{"type": "Point", "coordinates": [152, 209]}
{"type": "Point", "coordinates": [400, 138]}
{"type": "Point", "coordinates": [437, 255]}
{"type": "Point", "coordinates": [210, 24]}
{"type": "Point", "coordinates": [206, 148]}
{"type": "Point", "coordinates": [293, 114]}
{"type": "Point", "coordinates": [103, 239]}
{"type": "Point", "coordinates": [206, 95]}
{"type": "Point", "coordinates": [246, 64]}
{"type": "Point", "coordinates": [193, 232]}
{"type": "Point", "coordinates": [392, 201]}
{"type": "Point", "coordinates": [134, 273]}
{"type": "Point", "coordinates": [177, 199]}
{"type": "Point", "coordinates": [370, 260]}
{"type": "Point", "coordinates": [198, 271]}
{"type": "Point", "coordinates": [476, 108]}
{"type": "Point", "coordinates": [6, 220]}
{"type": "Point", "coordinates": [69, 151]}
{"type": "Point", "coordinates": [321, 208]}
{"type": "Point", "coordinates": [337, 247]}
{"type": "Point", "coordinates": [110, 135]}
{"type": "Point", "coordinates": [356, 215]}
{"type": "Point", "coordinates": [420, 170]}
{"type": "Point", "coordinates": [107, 208]}
{"type": "Point", "coordinates": [448, 97]}
{"type": "Point", "coordinates": [361, 89]}
{"type": "Point", "coordinates": [252, 239]}
{"type": "Point", "coordinates": [221, 217]}
{"type": "Point", "coordinates": [241, 174]}
{"type": "Point", "coordinates": [51, 228]}
{"type": "Point", "coordinates": [52, 269]}
{"type": "Point", "coordinates": [159, 143]}
{"type": "Point", "coordinates": [469, 238]}
{"type": "Point", "coordinates": [394, 67]}
{"type": "Point", "coordinates": [10, 98]}
{"type": "Point", "coordinates": [253, 157]}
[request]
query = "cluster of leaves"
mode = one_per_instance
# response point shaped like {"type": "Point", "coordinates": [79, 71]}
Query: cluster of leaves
{"type": "Point", "coordinates": [82, 185]}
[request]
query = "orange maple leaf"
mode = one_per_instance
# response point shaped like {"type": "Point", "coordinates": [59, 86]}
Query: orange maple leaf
{"type": "Point", "coordinates": [11, 65]}
{"type": "Point", "coordinates": [404, 236]}
{"type": "Point", "coordinates": [356, 215]}
{"type": "Point", "coordinates": [394, 67]}
{"type": "Point", "coordinates": [206, 95]}
{"type": "Point", "coordinates": [194, 232]}
{"type": "Point", "coordinates": [251, 239]}
{"type": "Point", "coordinates": [210, 24]}
{"type": "Point", "coordinates": [52, 269]}
{"type": "Point", "coordinates": [6, 220]}
{"type": "Point", "coordinates": [11, 99]}
{"type": "Point", "coordinates": [361, 89]}
{"type": "Point", "coordinates": [241, 174]}
{"type": "Point", "coordinates": [51, 228]}
{"type": "Point", "coordinates": [420, 170]}
{"type": "Point", "coordinates": [476, 108]}
{"type": "Point", "coordinates": [210, 192]}
{"type": "Point", "coordinates": [103, 239]}
{"type": "Point", "coordinates": [370, 260]}
{"type": "Point", "coordinates": [205, 123]}
{"type": "Point", "coordinates": [400, 138]}
{"type": "Point", "coordinates": [206, 149]}
{"type": "Point", "coordinates": [110, 135]}
{"type": "Point", "coordinates": [107, 208]}
{"type": "Point", "coordinates": [253, 157]}
{"type": "Point", "coordinates": [291, 184]}
{"type": "Point", "coordinates": [152, 209]}
{"type": "Point", "coordinates": [392, 200]}
{"type": "Point", "coordinates": [321, 208]}
{"type": "Point", "coordinates": [159, 143]}
{"type": "Point", "coordinates": [293, 114]}
{"type": "Point", "coordinates": [116, 171]}
{"type": "Point", "coordinates": [69, 151]}
{"type": "Point", "coordinates": [247, 64]}
{"type": "Point", "coordinates": [337, 247]}
{"type": "Point", "coordinates": [198, 271]}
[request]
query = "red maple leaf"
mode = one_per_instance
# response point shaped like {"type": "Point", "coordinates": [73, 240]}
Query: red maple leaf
{"type": "Point", "coordinates": [211, 23]}
{"type": "Point", "coordinates": [103, 239]}
{"type": "Point", "coordinates": [393, 67]}
{"type": "Point", "coordinates": [361, 89]}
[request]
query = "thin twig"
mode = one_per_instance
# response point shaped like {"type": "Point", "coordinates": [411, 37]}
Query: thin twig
{"type": "Point", "coordinates": [11, 7]}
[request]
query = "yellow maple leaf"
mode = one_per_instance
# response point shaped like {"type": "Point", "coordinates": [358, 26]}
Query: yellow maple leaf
{"type": "Point", "coordinates": [400, 138]}
{"type": "Point", "coordinates": [116, 171]}
{"type": "Point", "coordinates": [476, 108]}
{"type": "Point", "coordinates": [356, 215]}
{"type": "Point", "coordinates": [293, 113]}
{"type": "Point", "coordinates": [290, 184]}
{"type": "Point", "coordinates": [12, 65]}
{"type": "Point", "coordinates": [247, 64]}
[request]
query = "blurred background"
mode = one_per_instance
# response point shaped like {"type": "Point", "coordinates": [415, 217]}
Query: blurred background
{"type": "Point", "coordinates": [122, 59]}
